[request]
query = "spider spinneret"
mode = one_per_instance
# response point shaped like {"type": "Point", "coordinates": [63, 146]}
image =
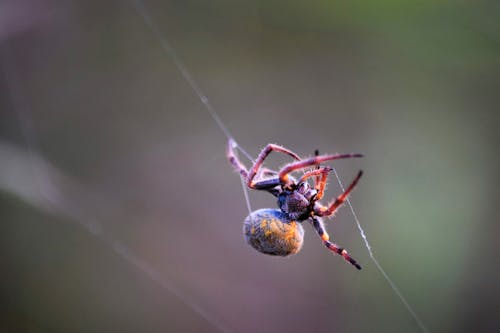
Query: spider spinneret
{"type": "Point", "coordinates": [279, 231]}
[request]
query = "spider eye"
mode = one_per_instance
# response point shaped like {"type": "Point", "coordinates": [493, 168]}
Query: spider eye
{"type": "Point", "coordinates": [302, 188]}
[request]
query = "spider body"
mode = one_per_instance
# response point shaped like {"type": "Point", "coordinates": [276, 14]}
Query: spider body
{"type": "Point", "coordinates": [270, 231]}
{"type": "Point", "coordinates": [296, 202]}
{"type": "Point", "coordinates": [279, 231]}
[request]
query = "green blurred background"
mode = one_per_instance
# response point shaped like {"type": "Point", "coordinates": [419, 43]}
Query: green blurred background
{"type": "Point", "coordinates": [120, 213]}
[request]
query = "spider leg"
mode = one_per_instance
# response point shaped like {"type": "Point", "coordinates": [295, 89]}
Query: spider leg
{"type": "Point", "coordinates": [321, 185]}
{"type": "Point", "coordinates": [268, 172]}
{"type": "Point", "coordinates": [320, 180]}
{"type": "Point", "coordinates": [266, 184]}
{"type": "Point", "coordinates": [317, 179]}
{"type": "Point", "coordinates": [323, 211]}
{"type": "Point", "coordinates": [315, 173]}
{"type": "Point", "coordinates": [262, 156]}
{"type": "Point", "coordinates": [283, 174]}
{"type": "Point", "coordinates": [235, 162]}
{"type": "Point", "coordinates": [320, 176]}
{"type": "Point", "coordinates": [320, 229]}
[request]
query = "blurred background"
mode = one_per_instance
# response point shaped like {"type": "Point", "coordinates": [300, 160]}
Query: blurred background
{"type": "Point", "coordinates": [120, 213]}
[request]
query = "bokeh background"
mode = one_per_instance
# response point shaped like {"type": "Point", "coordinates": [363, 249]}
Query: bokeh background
{"type": "Point", "coordinates": [120, 213]}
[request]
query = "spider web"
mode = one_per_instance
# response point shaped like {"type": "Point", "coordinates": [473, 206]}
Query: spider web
{"type": "Point", "coordinates": [48, 194]}
{"type": "Point", "coordinates": [170, 51]}
{"type": "Point", "coordinates": [51, 202]}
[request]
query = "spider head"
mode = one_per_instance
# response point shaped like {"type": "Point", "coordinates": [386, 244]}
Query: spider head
{"type": "Point", "coordinates": [297, 200]}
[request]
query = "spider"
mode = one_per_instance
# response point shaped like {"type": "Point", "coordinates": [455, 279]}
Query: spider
{"type": "Point", "coordinates": [279, 231]}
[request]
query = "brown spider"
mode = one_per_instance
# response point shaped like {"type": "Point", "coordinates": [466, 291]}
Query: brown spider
{"type": "Point", "coordinates": [279, 231]}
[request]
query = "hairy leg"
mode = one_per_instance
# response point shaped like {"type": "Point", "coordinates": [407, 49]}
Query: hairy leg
{"type": "Point", "coordinates": [320, 229]}
{"type": "Point", "coordinates": [324, 211]}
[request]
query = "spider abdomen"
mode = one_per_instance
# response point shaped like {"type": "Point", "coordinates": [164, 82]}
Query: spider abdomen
{"type": "Point", "coordinates": [271, 232]}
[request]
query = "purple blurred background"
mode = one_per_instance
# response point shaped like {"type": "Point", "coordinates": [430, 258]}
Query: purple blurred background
{"type": "Point", "coordinates": [120, 213]}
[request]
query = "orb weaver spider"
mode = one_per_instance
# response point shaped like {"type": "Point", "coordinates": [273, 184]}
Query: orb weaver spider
{"type": "Point", "coordinates": [279, 231]}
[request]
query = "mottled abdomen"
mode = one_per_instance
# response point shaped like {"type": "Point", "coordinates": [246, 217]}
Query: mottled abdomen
{"type": "Point", "coordinates": [270, 232]}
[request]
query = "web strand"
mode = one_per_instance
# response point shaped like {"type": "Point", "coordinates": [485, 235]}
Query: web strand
{"type": "Point", "coordinates": [170, 51]}
{"type": "Point", "coordinates": [139, 6]}
{"type": "Point", "coordinates": [49, 198]}
{"type": "Point", "coordinates": [375, 261]}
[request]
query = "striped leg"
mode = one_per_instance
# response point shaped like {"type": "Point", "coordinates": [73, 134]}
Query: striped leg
{"type": "Point", "coordinates": [235, 162]}
{"type": "Point", "coordinates": [262, 156]}
{"type": "Point", "coordinates": [302, 164]}
{"type": "Point", "coordinates": [250, 175]}
{"type": "Point", "coordinates": [323, 211]}
{"type": "Point", "coordinates": [320, 229]}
